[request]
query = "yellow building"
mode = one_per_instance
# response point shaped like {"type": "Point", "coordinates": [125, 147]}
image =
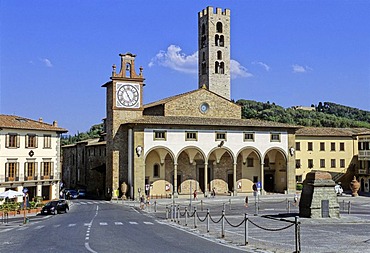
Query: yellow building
{"type": "Point", "coordinates": [334, 150]}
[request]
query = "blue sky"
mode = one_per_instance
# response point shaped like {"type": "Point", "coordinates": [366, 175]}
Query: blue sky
{"type": "Point", "coordinates": [55, 55]}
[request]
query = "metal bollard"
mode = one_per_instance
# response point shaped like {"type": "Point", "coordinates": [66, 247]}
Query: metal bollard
{"type": "Point", "coordinates": [288, 206]}
{"type": "Point", "coordinates": [230, 204]}
{"type": "Point", "coordinates": [343, 205]}
{"type": "Point", "coordinates": [223, 224]}
{"type": "Point", "coordinates": [297, 235]}
{"type": "Point", "coordinates": [223, 207]}
{"type": "Point", "coordinates": [201, 204]}
{"type": "Point", "coordinates": [155, 206]}
{"type": "Point", "coordinates": [207, 220]}
{"type": "Point", "coordinates": [178, 214]}
{"type": "Point", "coordinates": [246, 232]}
{"type": "Point", "coordinates": [349, 207]}
{"type": "Point", "coordinates": [175, 213]}
{"type": "Point", "coordinates": [195, 217]}
{"type": "Point", "coordinates": [186, 216]}
{"type": "Point", "coordinates": [166, 212]}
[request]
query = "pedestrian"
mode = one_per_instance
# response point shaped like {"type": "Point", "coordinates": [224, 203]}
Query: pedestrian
{"type": "Point", "coordinates": [246, 201]}
{"type": "Point", "coordinates": [142, 202]}
{"type": "Point", "coordinates": [254, 187]}
{"type": "Point", "coordinates": [214, 192]}
{"type": "Point", "coordinates": [195, 195]}
{"type": "Point", "coordinates": [296, 199]}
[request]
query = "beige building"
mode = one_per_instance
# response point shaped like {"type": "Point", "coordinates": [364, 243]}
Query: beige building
{"type": "Point", "coordinates": [84, 165]}
{"type": "Point", "coordinates": [363, 171]}
{"type": "Point", "coordinates": [30, 156]}
{"type": "Point", "coordinates": [334, 150]}
{"type": "Point", "coordinates": [196, 140]}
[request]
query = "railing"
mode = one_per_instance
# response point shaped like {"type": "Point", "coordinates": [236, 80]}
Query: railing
{"type": "Point", "coordinates": [174, 213]}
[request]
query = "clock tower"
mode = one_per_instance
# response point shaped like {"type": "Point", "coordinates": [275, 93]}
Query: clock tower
{"type": "Point", "coordinates": [124, 100]}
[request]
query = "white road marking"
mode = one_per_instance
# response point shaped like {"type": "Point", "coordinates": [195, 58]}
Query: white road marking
{"type": "Point", "coordinates": [39, 227]}
{"type": "Point", "coordinates": [58, 225]}
{"type": "Point", "coordinates": [118, 223]}
{"type": "Point", "coordinates": [103, 224]}
{"type": "Point", "coordinates": [71, 225]}
{"type": "Point", "coordinates": [148, 223]}
{"type": "Point", "coordinates": [133, 222]}
{"type": "Point", "coordinates": [22, 228]}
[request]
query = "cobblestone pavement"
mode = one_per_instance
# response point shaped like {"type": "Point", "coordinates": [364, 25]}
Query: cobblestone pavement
{"type": "Point", "coordinates": [272, 229]}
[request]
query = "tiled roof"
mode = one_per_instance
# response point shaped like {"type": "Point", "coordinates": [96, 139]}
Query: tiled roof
{"type": "Point", "coordinates": [168, 99]}
{"type": "Point", "coordinates": [17, 122]}
{"type": "Point", "coordinates": [196, 121]}
{"type": "Point", "coordinates": [329, 131]}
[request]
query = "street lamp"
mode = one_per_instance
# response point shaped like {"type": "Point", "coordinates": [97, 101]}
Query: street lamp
{"type": "Point", "coordinates": [25, 190]}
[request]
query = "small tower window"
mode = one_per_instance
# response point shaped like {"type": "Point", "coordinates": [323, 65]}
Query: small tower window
{"type": "Point", "coordinates": [222, 68]}
{"type": "Point", "coordinates": [217, 66]}
{"type": "Point", "coordinates": [204, 68]}
{"type": "Point", "coordinates": [217, 40]}
{"type": "Point", "coordinates": [203, 29]}
{"type": "Point", "coordinates": [128, 70]}
{"type": "Point", "coordinates": [204, 56]}
{"type": "Point", "coordinates": [219, 27]}
{"type": "Point", "coordinates": [221, 41]}
{"type": "Point", "coordinates": [203, 41]}
{"type": "Point", "coordinates": [219, 55]}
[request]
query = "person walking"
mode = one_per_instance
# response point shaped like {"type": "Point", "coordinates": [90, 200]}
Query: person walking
{"type": "Point", "coordinates": [214, 192]}
{"type": "Point", "coordinates": [195, 195]}
{"type": "Point", "coordinates": [246, 201]}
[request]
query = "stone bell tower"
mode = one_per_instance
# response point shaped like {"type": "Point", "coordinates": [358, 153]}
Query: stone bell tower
{"type": "Point", "coordinates": [124, 103]}
{"type": "Point", "coordinates": [214, 50]}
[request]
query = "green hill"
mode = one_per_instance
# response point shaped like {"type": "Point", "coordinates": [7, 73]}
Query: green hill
{"type": "Point", "coordinates": [325, 114]}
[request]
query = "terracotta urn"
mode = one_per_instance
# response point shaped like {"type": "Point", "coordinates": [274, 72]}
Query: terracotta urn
{"type": "Point", "coordinates": [355, 186]}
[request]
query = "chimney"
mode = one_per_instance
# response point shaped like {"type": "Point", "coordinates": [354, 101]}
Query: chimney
{"type": "Point", "coordinates": [40, 120]}
{"type": "Point", "coordinates": [55, 123]}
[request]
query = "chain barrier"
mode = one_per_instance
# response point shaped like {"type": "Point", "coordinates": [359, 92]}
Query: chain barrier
{"type": "Point", "coordinates": [271, 229]}
{"type": "Point", "coordinates": [213, 219]}
{"type": "Point", "coordinates": [234, 226]}
{"type": "Point", "coordinates": [175, 212]}
{"type": "Point", "coordinates": [202, 220]}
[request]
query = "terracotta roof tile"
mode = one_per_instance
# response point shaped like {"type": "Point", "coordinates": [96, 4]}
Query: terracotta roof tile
{"type": "Point", "coordinates": [17, 122]}
{"type": "Point", "coordinates": [196, 121]}
{"type": "Point", "coordinates": [329, 131]}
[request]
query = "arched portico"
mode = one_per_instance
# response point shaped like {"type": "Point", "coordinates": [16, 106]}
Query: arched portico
{"type": "Point", "coordinates": [275, 171]}
{"type": "Point", "coordinates": [249, 169]}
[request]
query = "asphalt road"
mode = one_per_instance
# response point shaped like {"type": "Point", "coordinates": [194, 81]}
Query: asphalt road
{"type": "Point", "coordinates": [99, 226]}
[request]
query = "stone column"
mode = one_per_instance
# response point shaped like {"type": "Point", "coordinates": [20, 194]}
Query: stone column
{"type": "Point", "coordinates": [262, 179]}
{"type": "Point", "coordinates": [205, 179]}
{"type": "Point", "coordinates": [234, 180]}
{"type": "Point", "coordinates": [175, 193]}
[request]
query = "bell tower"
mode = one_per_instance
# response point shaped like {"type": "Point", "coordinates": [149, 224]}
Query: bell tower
{"type": "Point", "coordinates": [124, 103]}
{"type": "Point", "coordinates": [214, 50]}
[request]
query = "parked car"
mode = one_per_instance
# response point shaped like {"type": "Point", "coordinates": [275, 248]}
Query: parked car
{"type": "Point", "coordinates": [338, 190]}
{"type": "Point", "coordinates": [55, 207]}
{"type": "Point", "coordinates": [70, 194]}
{"type": "Point", "coordinates": [81, 193]}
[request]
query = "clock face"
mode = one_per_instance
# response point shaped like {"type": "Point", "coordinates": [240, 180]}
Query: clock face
{"type": "Point", "coordinates": [128, 95]}
{"type": "Point", "coordinates": [204, 107]}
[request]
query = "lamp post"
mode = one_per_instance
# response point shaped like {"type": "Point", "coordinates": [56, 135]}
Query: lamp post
{"type": "Point", "coordinates": [190, 193]}
{"type": "Point", "coordinates": [25, 190]}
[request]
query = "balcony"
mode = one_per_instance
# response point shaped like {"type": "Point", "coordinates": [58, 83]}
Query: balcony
{"type": "Point", "coordinates": [364, 155]}
{"type": "Point", "coordinates": [29, 178]}
{"type": "Point", "coordinates": [8, 179]}
{"type": "Point", "coordinates": [47, 177]}
{"type": "Point", "coordinates": [363, 171]}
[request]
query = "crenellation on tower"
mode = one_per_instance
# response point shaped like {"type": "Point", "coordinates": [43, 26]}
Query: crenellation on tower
{"type": "Point", "coordinates": [214, 50]}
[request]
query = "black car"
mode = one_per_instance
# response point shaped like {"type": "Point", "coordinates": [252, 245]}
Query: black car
{"type": "Point", "coordinates": [55, 206]}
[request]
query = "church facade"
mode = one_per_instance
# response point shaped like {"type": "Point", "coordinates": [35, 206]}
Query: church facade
{"type": "Point", "coordinates": [196, 141]}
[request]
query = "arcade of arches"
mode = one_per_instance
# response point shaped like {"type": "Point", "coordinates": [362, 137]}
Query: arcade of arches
{"type": "Point", "coordinates": [221, 169]}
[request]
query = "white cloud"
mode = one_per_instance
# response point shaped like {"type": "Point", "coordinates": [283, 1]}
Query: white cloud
{"type": "Point", "coordinates": [237, 70]}
{"type": "Point", "coordinates": [174, 59]}
{"type": "Point", "coordinates": [47, 62]}
{"type": "Point", "coordinates": [264, 65]}
{"type": "Point", "coordinates": [300, 69]}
